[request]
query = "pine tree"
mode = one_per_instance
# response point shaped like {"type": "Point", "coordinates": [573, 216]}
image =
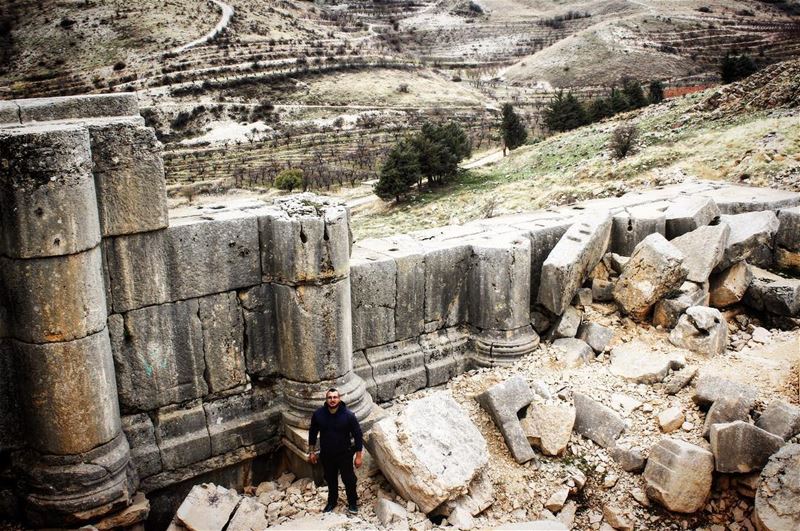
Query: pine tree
{"type": "Point", "coordinates": [599, 108]}
{"type": "Point", "coordinates": [399, 172]}
{"type": "Point", "coordinates": [634, 93]}
{"type": "Point", "coordinates": [656, 91]}
{"type": "Point", "coordinates": [512, 129]}
{"type": "Point", "coordinates": [619, 102]}
{"type": "Point", "coordinates": [565, 112]}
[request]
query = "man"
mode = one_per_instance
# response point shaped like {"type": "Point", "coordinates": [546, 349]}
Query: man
{"type": "Point", "coordinates": [336, 425]}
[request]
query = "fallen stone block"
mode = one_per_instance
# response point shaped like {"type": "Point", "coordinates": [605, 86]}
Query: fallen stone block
{"type": "Point", "coordinates": [571, 260]}
{"type": "Point", "coordinates": [583, 298]}
{"type": "Point", "coordinates": [668, 311]}
{"type": "Point", "coordinates": [595, 335]}
{"type": "Point", "coordinates": [703, 249]}
{"type": "Point", "coordinates": [678, 475]}
{"type": "Point", "coordinates": [208, 507]}
{"type": "Point", "coordinates": [549, 426]}
{"type": "Point", "coordinates": [633, 225]}
{"type": "Point", "coordinates": [602, 290]}
{"type": "Point", "coordinates": [780, 418]}
{"type": "Point", "coordinates": [567, 325]}
{"type": "Point", "coordinates": [671, 419]}
{"type": "Point", "coordinates": [503, 402]}
{"type": "Point", "coordinates": [689, 213]}
{"type": "Point", "coordinates": [571, 353]}
{"type": "Point", "coordinates": [729, 286]}
{"type": "Point", "coordinates": [638, 363]}
{"type": "Point", "coordinates": [391, 514]}
{"type": "Point", "coordinates": [616, 263]}
{"type": "Point", "coordinates": [750, 239]}
{"type": "Point", "coordinates": [249, 515]}
{"type": "Point", "coordinates": [771, 293]}
{"type": "Point", "coordinates": [711, 388]}
{"type": "Point", "coordinates": [739, 447]}
{"type": "Point", "coordinates": [430, 451]}
{"type": "Point", "coordinates": [776, 507]}
{"type": "Point", "coordinates": [679, 380]}
{"type": "Point", "coordinates": [726, 409]}
{"type": "Point", "coordinates": [557, 499]}
{"type": "Point", "coordinates": [630, 460]}
{"type": "Point", "coordinates": [655, 269]}
{"type": "Point", "coordinates": [787, 240]}
{"type": "Point", "coordinates": [597, 422]}
{"type": "Point", "coordinates": [479, 496]}
{"type": "Point", "coordinates": [701, 329]}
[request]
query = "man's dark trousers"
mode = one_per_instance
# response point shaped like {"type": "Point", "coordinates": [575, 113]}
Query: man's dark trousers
{"type": "Point", "coordinates": [333, 465]}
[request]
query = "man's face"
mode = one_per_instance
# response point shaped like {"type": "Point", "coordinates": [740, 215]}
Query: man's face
{"type": "Point", "coordinates": [332, 400]}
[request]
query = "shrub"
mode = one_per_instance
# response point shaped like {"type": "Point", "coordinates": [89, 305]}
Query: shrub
{"type": "Point", "coordinates": [656, 92]}
{"type": "Point", "coordinates": [119, 65]}
{"type": "Point", "coordinates": [623, 140]}
{"type": "Point", "coordinates": [733, 68]}
{"type": "Point", "coordinates": [289, 179]}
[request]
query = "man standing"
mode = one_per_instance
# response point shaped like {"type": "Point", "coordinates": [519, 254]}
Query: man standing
{"type": "Point", "coordinates": [336, 425]}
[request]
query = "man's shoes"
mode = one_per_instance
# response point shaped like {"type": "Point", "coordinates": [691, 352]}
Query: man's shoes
{"type": "Point", "coordinates": [352, 508]}
{"type": "Point", "coordinates": [328, 508]}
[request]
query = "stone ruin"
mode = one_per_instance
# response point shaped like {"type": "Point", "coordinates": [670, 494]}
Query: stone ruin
{"type": "Point", "coordinates": [142, 353]}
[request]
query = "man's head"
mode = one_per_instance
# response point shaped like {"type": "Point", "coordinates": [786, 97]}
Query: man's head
{"type": "Point", "coordinates": [332, 398]}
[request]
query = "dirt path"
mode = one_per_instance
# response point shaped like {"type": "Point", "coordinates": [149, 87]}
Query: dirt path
{"type": "Point", "coordinates": [227, 14]}
{"type": "Point", "coordinates": [486, 158]}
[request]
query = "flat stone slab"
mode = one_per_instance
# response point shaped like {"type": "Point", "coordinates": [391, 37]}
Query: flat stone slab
{"type": "Point", "coordinates": [780, 418]}
{"type": "Point", "coordinates": [678, 475]}
{"type": "Point", "coordinates": [739, 447]}
{"type": "Point", "coordinates": [504, 401]}
{"type": "Point", "coordinates": [771, 293]}
{"type": "Point", "coordinates": [711, 388]}
{"type": "Point", "coordinates": [597, 422]}
{"type": "Point", "coordinates": [689, 212]}
{"type": "Point", "coordinates": [207, 507]}
{"type": "Point", "coordinates": [638, 363]}
{"type": "Point", "coordinates": [734, 199]}
{"type": "Point", "coordinates": [776, 507]}
{"type": "Point", "coordinates": [750, 239]}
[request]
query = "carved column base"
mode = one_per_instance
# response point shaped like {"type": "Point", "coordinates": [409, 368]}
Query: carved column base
{"type": "Point", "coordinates": [495, 348]}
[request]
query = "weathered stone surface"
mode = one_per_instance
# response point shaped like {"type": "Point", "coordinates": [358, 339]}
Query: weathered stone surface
{"type": "Point", "coordinates": [633, 225]}
{"type": "Point", "coordinates": [182, 435]}
{"type": "Point", "coordinates": [145, 454]}
{"type": "Point", "coordinates": [638, 363]}
{"type": "Point", "coordinates": [567, 325]}
{"type": "Point", "coordinates": [655, 269]}
{"type": "Point", "coordinates": [134, 514]}
{"type": "Point", "coordinates": [571, 260]}
{"type": "Point", "coordinates": [597, 422]}
{"type": "Point", "coordinates": [738, 199]}
{"type": "Point", "coordinates": [445, 355]}
{"type": "Point", "coordinates": [10, 436]}
{"type": "Point", "coordinates": [679, 380]}
{"type": "Point", "coordinates": [616, 518]}
{"type": "Point", "coordinates": [48, 205]}
{"type": "Point", "coordinates": [373, 283]}
{"type": "Point", "coordinates": [729, 286]}
{"type": "Point", "coordinates": [397, 369]}
{"type": "Point", "coordinates": [780, 418]}
{"type": "Point", "coordinates": [83, 106]}
{"type": "Point", "coordinates": [776, 506]}
{"type": "Point", "coordinates": [249, 515]}
{"type": "Point", "coordinates": [667, 311]}
{"type": "Point", "coordinates": [55, 299]}
{"type": "Point", "coordinates": [9, 112]}
{"type": "Point", "coordinates": [726, 409]}
{"type": "Point", "coordinates": [688, 213]}
{"type": "Point", "coordinates": [741, 447]}
{"type": "Point", "coordinates": [703, 249]}
{"type": "Point", "coordinates": [242, 420]}
{"type": "Point", "coordinates": [129, 178]}
{"type": "Point", "coordinates": [549, 426]}
{"type": "Point", "coordinates": [602, 290]}
{"type": "Point", "coordinates": [430, 451]}
{"type": "Point", "coordinates": [504, 402]}
{"type": "Point", "coordinates": [158, 355]}
{"type": "Point", "coordinates": [583, 298]}
{"type": "Point", "coordinates": [571, 352]}
{"type": "Point", "coordinates": [544, 236]}
{"type": "Point", "coordinates": [679, 475]}
{"type": "Point", "coordinates": [788, 235]}
{"type": "Point", "coordinates": [595, 335]}
{"type": "Point", "coordinates": [533, 525]}
{"type": "Point", "coordinates": [223, 341]}
{"type": "Point", "coordinates": [711, 388]}
{"type": "Point", "coordinates": [557, 499]}
{"type": "Point", "coordinates": [446, 282]}
{"type": "Point", "coordinates": [478, 498]}
{"type": "Point", "coordinates": [391, 514]}
{"type": "Point", "coordinates": [750, 239]}
{"type": "Point", "coordinates": [671, 419]}
{"type": "Point", "coordinates": [701, 329]}
{"type": "Point", "coordinates": [630, 460]}
{"type": "Point", "coordinates": [208, 507]}
{"type": "Point", "coordinates": [261, 340]}
{"type": "Point", "coordinates": [771, 293]}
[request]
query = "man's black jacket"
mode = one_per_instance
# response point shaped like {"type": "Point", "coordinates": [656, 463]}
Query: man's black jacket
{"type": "Point", "coordinates": [335, 431]}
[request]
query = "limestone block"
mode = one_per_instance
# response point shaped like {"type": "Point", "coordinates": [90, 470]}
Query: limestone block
{"type": "Point", "coordinates": [571, 260]}
{"type": "Point", "coordinates": [741, 447]}
{"type": "Point", "coordinates": [776, 506]}
{"type": "Point", "coordinates": [158, 354]}
{"type": "Point", "coordinates": [771, 293]}
{"type": "Point", "coordinates": [571, 352]}
{"type": "Point", "coordinates": [710, 388]}
{"type": "Point", "coordinates": [223, 341]}
{"type": "Point", "coordinates": [182, 435]}
{"type": "Point", "coordinates": [55, 299]}
{"type": "Point", "coordinates": [391, 514]}
{"type": "Point", "coordinates": [207, 507]}
{"type": "Point", "coordinates": [445, 354]}
{"type": "Point", "coordinates": [305, 238]}
{"type": "Point", "coordinates": [679, 380]}
{"type": "Point", "coordinates": [84, 106]}
{"type": "Point", "coordinates": [788, 235]}
{"type": "Point", "coordinates": [787, 260]}
{"type": "Point", "coordinates": [739, 199]}
{"type": "Point", "coordinates": [446, 284]}
{"type": "Point", "coordinates": [567, 325]}
{"type": "Point", "coordinates": [656, 268]}
{"type": "Point", "coordinates": [10, 436]}
{"type": "Point", "coordinates": [633, 225]}
{"type": "Point", "coordinates": [602, 290]}
{"type": "Point", "coordinates": [479, 496]}
{"type": "Point", "coordinates": [325, 308]}
{"type": "Point", "coordinates": [726, 409]}
{"type": "Point", "coordinates": [751, 238]}
{"type": "Point", "coordinates": [583, 298]}
{"type": "Point", "coordinates": [69, 401]}
{"type": "Point", "coordinates": [688, 213]}
{"type": "Point", "coordinates": [504, 402]}
{"type": "Point", "coordinates": [617, 518]}
{"type": "Point", "coordinates": [703, 249]}
{"type": "Point", "coordinates": [638, 363]}
{"type": "Point", "coordinates": [549, 426]}
{"type": "Point", "coordinates": [9, 112]}
{"type": "Point", "coordinates": [595, 335]}
{"type": "Point", "coordinates": [261, 341]}
{"type": "Point", "coordinates": [48, 205]}
{"type": "Point", "coordinates": [249, 515]}
{"type": "Point", "coordinates": [701, 329]}
{"type": "Point", "coordinates": [544, 236]}
{"type": "Point", "coordinates": [397, 368]}
{"type": "Point", "coordinates": [597, 422]}
{"type": "Point", "coordinates": [242, 420]}
{"type": "Point", "coordinates": [145, 454]}
{"type": "Point", "coordinates": [430, 451]}
{"type": "Point", "coordinates": [667, 311]}
{"type": "Point", "coordinates": [780, 418]}
{"type": "Point", "coordinates": [729, 286]}
{"type": "Point", "coordinates": [129, 178]}
{"type": "Point", "coordinates": [373, 283]}
{"type": "Point", "coordinates": [678, 475]}
{"type": "Point", "coordinates": [630, 460]}
{"type": "Point", "coordinates": [671, 419]}
{"type": "Point", "coordinates": [557, 499]}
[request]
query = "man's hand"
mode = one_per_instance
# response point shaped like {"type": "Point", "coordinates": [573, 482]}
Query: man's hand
{"type": "Point", "coordinates": [313, 457]}
{"type": "Point", "coordinates": [358, 460]}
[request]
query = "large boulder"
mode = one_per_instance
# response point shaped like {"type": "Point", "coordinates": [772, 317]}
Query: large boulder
{"type": "Point", "coordinates": [655, 269]}
{"type": "Point", "coordinates": [430, 451]}
{"type": "Point", "coordinates": [729, 286]}
{"type": "Point", "coordinates": [597, 422]}
{"type": "Point", "coordinates": [750, 239]}
{"type": "Point", "coordinates": [739, 447]}
{"type": "Point", "coordinates": [776, 507]}
{"type": "Point", "coordinates": [638, 363]}
{"type": "Point", "coordinates": [504, 402]}
{"type": "Point", "coordinates": [703, 249]}
{"type": "Point", "coordinates": [701, 329]}
{"type": "Point", "coordinates": [678, 475]}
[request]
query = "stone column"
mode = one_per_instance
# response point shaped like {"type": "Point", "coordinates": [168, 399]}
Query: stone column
{"type": "Point", "coordinates": [74, 467]}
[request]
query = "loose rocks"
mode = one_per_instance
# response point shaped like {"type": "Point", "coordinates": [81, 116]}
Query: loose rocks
{"type": "Point", "coordinates": [701, 330]}
{"type": "Point", "coordinates": [571, 352]}
{"type": "Point", "coordinates": [729, 286]}
{"type": "Point", "coordinates": [638, 363]}
{"type": "Point", "coordinates": [549, 427]}
{"type": "Point", "coordinates": [596, 421]}
{"type": "Point", "coordinates": [679, 475]}
{"type": "Point", "coordinates": [503, 402]}
{"type": "Point", "coordinates": [596, 336]}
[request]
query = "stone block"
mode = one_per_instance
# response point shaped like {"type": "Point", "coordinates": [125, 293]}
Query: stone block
{"type": "Point", "coordinates": [726, 409]}
{"type": "Point", "coordinates": [544, 236]}
{"type": "Point", "coordinates": [249, 515]}
{"type": "Point", "coordinates": [788, 235]}
{"type": "Point", "coordinates": [655, 268]}
{"type": "Point", "coordinates": [83, 106]}
{"type": "Point", "coordinates": [787, 260]}
{"type": "Point", "coordinates": [55, 299]}
{"type": "Point", "coordinates": [391, 514]}
{"type": "Point", "coordinates": [597, 422]}
{"type": "Point", "coordinates": [158, 355]}
{"type": "Point", "coordinates": [363, 370]}
{"type": "Point", "coordinates": [10, 436]}
{"type": "Point", "coordinates": [445, 354]}
{"type": "Point", "coordinates": [729, 286]}
{"type": "Point", "coordinates": [739, 447]}
{"type": "Point", "coordinates": [48, 205]}
{"type": "Point", "coordinates": [223, 341]}
{"type": "Point", "coordinates": [751, 239]}
{"type": "Point", "coordinates": [549, 426]}
{"type": "Point", "coordinates": [373, 284]}
{"type": "Point", "coordinates": [69, 401]}
{"type": "Point", "coordinates": [679, 380]}
{"type": "Point", "coordinates": [572, 259]}
{"type": "Point", "coordinates": [145, 455]}
{"type": "Point", "coordinates": [571, 353]}
{"type": "Point", "coordinates": [506, 403]}
{"type": "Point", "coordinates": [710, 388]}
{"type": "Point", "coordinates": [701, 329]}
{"type": "Point", "coordinates": [260, 324]}
{"type": "Point", "coordinates": [208, 507]}
{"type": "Point", "coordinates": [630, 460]}
{"type": "Point", "coordinates": [567, 325]}
{"type": "Point", "coordinates": [242, 420]}
{"type": "Point", "coordinates": [780, 418]}
{"type": "Point", "coordinates": [602, 290]}
{"type": "Point", "coordinates": [595, 335]}
{"type": "Point", "coordinates": [446, 285]}
{"type": "Point", "coordinates": [671, 419]}
{"type": "Point", "coordinates": [129, 178]}
{"type": "Point", "coordinates": [479, 496]}
{"type": "Point", "coordinates": [678, 475]}
{"type": "Point", "coordinates": [182, 435]}
{"type": "Point", "coordinates": [703, 249]}
{"type": "Point", "coordinates": [397, 368]}
{"type": "Point", "coordinates": [667, 311]}
{"type": "Point", "coordinates": [638, 363]}
{"type": "Point", "coordinates": [776, 506]}
{"type": "Point", "coordinates": [771, 293]}
{"type": "Point", "coordinates": [739, 199]}
{"type": "Point", "coordinates": [583, 298]}
{"type": "Point", "coordinates": [689, 213]}
{"type": "Point", "coordinates": [633, 225]}
{"type": "Point", "coordinates": [9, 113]}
